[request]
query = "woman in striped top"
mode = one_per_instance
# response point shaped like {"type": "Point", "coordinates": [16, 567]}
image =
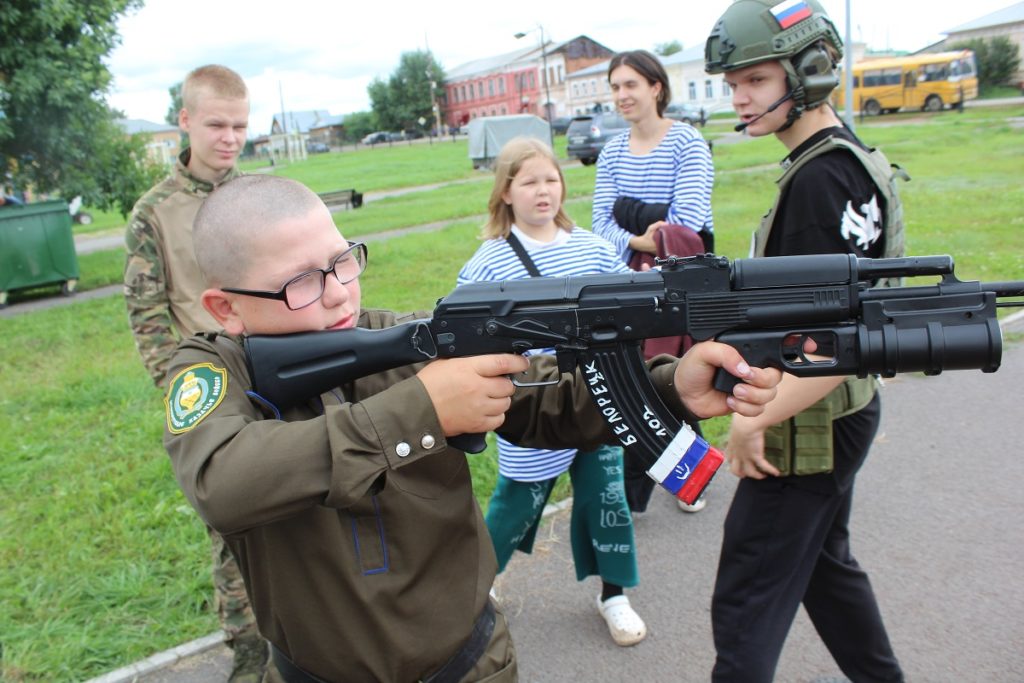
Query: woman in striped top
{"type": "Point", "coordinates": [530, 234]}
{"type": "Point", "coordinates": [656, 174]}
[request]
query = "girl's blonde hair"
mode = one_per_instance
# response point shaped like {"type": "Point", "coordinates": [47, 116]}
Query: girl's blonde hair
{"type": "Point", "coordinates": [513, 155]}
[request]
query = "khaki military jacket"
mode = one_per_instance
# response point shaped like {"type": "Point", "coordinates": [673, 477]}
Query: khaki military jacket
{"type": "Point", "coordinates": [355, 526]}
{"type": "Point", "coordinates": [162, 282]}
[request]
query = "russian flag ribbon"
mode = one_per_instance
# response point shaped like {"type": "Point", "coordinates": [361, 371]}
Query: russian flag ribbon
{"type": "Point", "coordinates": [686, 467]}
{"type": "Point", "coordinates": [790, 12]}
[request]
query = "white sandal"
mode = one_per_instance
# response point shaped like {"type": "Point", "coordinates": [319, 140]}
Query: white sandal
{"type": "Point", "coordinates": [625, 625]}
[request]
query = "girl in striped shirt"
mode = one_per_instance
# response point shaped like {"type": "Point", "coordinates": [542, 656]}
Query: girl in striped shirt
{"type": "Point", "coordinates": [655, 176]}
{"type": "Point", "coordinates": [526, 207]}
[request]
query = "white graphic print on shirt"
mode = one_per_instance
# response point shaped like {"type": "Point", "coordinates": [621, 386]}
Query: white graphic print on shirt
{"type": "Point", "coordinates": [865, 226]}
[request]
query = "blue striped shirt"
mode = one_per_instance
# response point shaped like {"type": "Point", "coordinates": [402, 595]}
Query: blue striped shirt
{"type": "Point", "coordinates": [677, 172]}
{"type": "Point", "coordinates": [583, 253]}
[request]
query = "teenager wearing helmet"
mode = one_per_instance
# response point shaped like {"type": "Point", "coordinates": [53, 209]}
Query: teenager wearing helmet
{"type": "Point", "coordinates": [786, 537]}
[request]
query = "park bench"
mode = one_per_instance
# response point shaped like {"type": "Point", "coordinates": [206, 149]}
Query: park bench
{"type": "Point", "coordinates": [342, 198]}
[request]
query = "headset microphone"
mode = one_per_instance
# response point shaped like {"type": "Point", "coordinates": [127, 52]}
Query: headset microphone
{"type": "Point", "coordinates": [775, 105]}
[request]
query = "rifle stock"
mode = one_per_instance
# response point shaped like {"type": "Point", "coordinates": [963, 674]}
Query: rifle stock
{"type": "Point", "coordinates": [765, 308]}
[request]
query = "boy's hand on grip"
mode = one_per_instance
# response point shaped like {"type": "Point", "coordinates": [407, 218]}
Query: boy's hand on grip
{"type": "Point", "coordinates": [472, 394]}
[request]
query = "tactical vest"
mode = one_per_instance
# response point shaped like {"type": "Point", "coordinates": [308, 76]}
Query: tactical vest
{"type": "Point", "coordinates": [802, 444]}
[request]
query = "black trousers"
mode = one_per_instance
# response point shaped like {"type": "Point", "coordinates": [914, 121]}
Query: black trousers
{"type": "Point", "coordinates": [786, 541]}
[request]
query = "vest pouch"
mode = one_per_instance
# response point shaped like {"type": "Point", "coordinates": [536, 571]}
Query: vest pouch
{"type": "Point", "coordinates": [813, 440]}
{"type": "Point", "coordinates": [777, 451]}
{"type": "Point", "coordinates": [802, 444]}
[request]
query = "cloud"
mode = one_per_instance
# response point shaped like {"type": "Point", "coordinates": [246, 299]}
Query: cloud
{"type": "Point", "coordinates": [324, 55]}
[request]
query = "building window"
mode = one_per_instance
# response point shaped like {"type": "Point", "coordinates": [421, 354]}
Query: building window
{"type": "Point", "coordinates": [480, 90]}
{"type": "Point", "coordinates": [708, 90]}
{"type": "Point", "coordinates": [726, 92]}
{"type": "Point", "coordinates": [692, 90]}
{"type": "Point", "coordinates": [501, 85]}
{"type": "Point", "coordinates": [490, 87]}
{"type": "Point", "coordinates": [561, 75]}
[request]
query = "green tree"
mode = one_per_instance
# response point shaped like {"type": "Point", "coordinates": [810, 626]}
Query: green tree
{"type": "Point", "coordinates": [57, 133]}
{"type": "Point", "coordinates": [998, 59]}
{"type": "Point", "coordinates": [409, 94]}
{"type": "Point", "coordinates": [359, 124]}
{"type": "Point", "coordinates": [177, 104]}
{"type": "Point", "coordinates": [669, 48]}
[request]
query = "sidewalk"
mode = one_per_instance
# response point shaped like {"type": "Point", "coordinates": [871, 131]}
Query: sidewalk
{"type": "Point", "coordinates": [936, 524]}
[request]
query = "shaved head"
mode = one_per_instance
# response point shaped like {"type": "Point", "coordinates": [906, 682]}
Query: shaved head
{"type": "Point", "coordinates": [212, 79]}
{"type": "Point", "coordinates": [239, 211]}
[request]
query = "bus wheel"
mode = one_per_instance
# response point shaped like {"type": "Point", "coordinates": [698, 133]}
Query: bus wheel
{"type": "Point", "coordinates": [872, 108]}
{"type": "Point", "coordinates": [933, 103]}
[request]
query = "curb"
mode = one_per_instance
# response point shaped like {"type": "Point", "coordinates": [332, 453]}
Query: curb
{"type": "Point", "coordinates": [161, 660]}
{"type": "Point", "coordinates": [1011, 319]}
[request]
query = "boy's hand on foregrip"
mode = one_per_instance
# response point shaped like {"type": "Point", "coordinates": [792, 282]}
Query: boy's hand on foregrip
{"type": "Point", "coordinates": [472, 394]}
{"type": "Point", "coordinates": [695, 373]}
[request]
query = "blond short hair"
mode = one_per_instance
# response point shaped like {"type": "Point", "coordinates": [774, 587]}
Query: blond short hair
{"type": "Point", "coordinates": [236, 212]}
{"type": "Point", "coordinates": [215, 80]}
{"type": "Point", "coordinates": [513, 155]}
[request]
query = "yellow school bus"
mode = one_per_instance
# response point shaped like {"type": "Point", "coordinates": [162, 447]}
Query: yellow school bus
{"type": "Point", "coordinates": [928, 82]}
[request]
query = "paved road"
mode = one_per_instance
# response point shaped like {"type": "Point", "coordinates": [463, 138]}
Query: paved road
{"type": "Point", "coordinates": [936, 522]}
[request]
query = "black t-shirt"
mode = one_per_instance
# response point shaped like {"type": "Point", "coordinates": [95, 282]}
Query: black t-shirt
{"type": "Point", "coordinates": [830, 206]}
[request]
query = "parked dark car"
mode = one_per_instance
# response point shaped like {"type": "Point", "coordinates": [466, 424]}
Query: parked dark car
{"type": "Point", "coordinates": [374, 138]}
{"type": "Point", "coordinates": [588, 134]}
{"type": "Point", "coordinates": [688, 113]}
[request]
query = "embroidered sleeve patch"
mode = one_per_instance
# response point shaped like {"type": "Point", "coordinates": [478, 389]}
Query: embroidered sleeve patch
{"type": "Point", "coordinates": [193, 394]}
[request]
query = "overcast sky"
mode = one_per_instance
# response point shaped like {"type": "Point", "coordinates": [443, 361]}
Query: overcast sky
{"type": "Point", "coordinates": [319, 54]}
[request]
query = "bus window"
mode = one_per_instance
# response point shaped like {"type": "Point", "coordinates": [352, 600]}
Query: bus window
{"type": "Point", "coordinates": [938, 72]}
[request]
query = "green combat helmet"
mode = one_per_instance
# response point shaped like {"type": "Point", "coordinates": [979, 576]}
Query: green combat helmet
{"type": "Point", "coordinates": [793, 32]}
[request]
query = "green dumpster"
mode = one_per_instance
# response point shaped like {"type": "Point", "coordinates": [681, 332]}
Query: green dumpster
{"type": "Point", "coordinates": [36, 248]}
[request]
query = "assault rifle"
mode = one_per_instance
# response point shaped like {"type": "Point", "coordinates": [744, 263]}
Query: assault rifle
{"type": "Point", "coordinates": [766, 308]}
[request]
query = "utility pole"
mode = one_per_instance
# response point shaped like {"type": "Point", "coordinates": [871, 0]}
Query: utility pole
{"type": "Point", "coordinates": [544, 75]}
{"type": "Point", "coordinates": [848, 70]}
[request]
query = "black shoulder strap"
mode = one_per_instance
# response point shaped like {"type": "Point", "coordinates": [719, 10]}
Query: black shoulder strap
{"type": "Point", "coordinates": [520, 250]}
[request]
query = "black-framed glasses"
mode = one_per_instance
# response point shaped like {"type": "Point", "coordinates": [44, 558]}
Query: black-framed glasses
{"type": "Point", "coordinates": [306, 288]}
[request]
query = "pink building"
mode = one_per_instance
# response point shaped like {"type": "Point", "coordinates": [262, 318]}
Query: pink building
{"type": "Point", "coordinates": [514, 83]}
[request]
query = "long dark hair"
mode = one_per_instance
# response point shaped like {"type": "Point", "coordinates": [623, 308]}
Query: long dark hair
{"type": "Point", "coordinates": [648, 66]}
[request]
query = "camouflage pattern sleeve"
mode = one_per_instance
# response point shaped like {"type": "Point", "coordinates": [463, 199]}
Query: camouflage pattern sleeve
{"type": "Point", "coordinates": [145, 293]}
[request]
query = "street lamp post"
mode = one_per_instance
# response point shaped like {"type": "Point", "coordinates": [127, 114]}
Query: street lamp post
{"type": "Point", "coordinates": [433, 104]}
{"type": "Point", "coordinates": [544, 76]}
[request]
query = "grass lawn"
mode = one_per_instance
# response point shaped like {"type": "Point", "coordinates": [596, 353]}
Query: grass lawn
{"type": "Point", "coordinates": [105, 562]}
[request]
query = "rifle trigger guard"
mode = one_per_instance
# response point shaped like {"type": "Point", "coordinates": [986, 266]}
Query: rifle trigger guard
{"type": "Point", "coordinates": [517, 383]}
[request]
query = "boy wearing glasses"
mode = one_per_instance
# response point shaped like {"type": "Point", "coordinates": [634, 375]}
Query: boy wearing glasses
{"type": "Point", "coordinates": [353, 520]}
